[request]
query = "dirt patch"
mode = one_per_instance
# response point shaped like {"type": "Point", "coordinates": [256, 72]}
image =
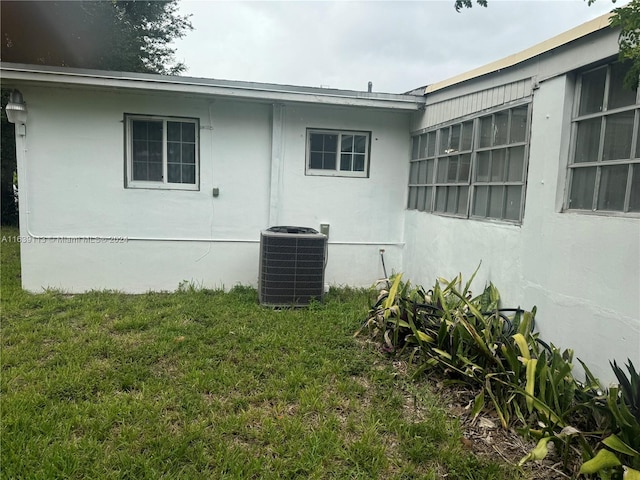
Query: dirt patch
{"type": "Point", "coordinates": [485, 436]}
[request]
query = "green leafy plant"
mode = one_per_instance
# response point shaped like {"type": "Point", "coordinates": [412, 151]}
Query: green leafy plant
{"type": "Point", "coordinates": [470, 339]}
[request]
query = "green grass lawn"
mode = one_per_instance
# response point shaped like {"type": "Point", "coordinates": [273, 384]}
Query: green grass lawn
{"type": "Point", "coordinates": [205, 384]}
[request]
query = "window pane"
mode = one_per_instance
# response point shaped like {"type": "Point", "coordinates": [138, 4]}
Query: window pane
{"type": "Point", "coordinates": [155, 152]}
{"type": "Point", "coordinates": [617, 136]}
{"type": "Point", "coordinates": [588, 140]}
{"type": "Point", "coordinates": [317, 142]}
{"type": "Point", "coordinates": [358, 162]}
{"type": "Point", "coordinates": [444, 140]}
{"type": "Point", "coordinates": [452, 175]}
{"type": "Point", "coordinates": [422, 172]}
{"type": "Point", "coordinates": [423, 145]}
{"type": "Point", "coordinates": [360, 144]}
{"type": "Point", "coordinates": [501, 126]}
{"type": "Point", "coordinates": [345, 161]}
{"type": "Point", "coordinates": [452, 199]}
{"type": "Point", "coordinates": [347, 143]}
{"type": "Point", "coordinates": [140, 171]}
{"type": "Point", "coordinates": [139, 130]}
{"type": "Point", "coordinates": [480, 201]}
{"type": "Point", "coordinates": [497, 165]}
{"type": "Point", "coordinates": [430, 166]}
{"type": "Point", "coordinates": [413, 196]}
{"type": "Point", "coordinates": [486, 130]}
{"type": "Point", "coordinates": [428, 207]}
{"type": "Point", "coordinates": [140, 152]}
{"type": "Point", "coordinates": [482, 172]}
{"type": "Point", "coordinates": [592, 91]}
{"type": "Point", "coordinates": [467, 135]}
{"type": "Point", "coordinates": [514, 196]}
{"type": "Point", "coordinates": [495, 201]}
{"type": "Point", "coordinates": [582, 187]}
{"type": "Point", "coordinates": [315, 160]}
{"type": "Point", "coordinates": [413, 173]}
{"type": "Point", "coordinates": [465, 168]}
{"type": "Point", "coordinates": [431, 144]}
{"type": "Point", "coordinates": [463, 196]}
{"type": "Point", "coordinates": [188, 153]}
{"type": "Point", "coordinates": [415, 147]}
{"type": "Point", "coordinates": [634, 200]}
{"type": "Point", "coordinates": [154, 130]}
{"type": "Point", "coordinates": [516, 164]}
{"type": "Point", "coordinates": [454, 143]}
{"type": "Point", "coordinates": [155, 172]}
{"type": "Point", "coordinates": [174, 173]}
{"type": "Point", "coordinates": [442, 168]}
{"type": "Point", "coordinates": [441, 199]}
{"type": "Point", "coordinates": [421, 196]}
{"type": "Point", "coordinates": [518, 124]}
{"type": "Point", "coordinates": [188, 174]}
{"type": "Point", "coordinates": [173, 132]}
{"type": "Point", "coordinates": [330, 143]}
{"type": "Point", "coordinates": [173, 152]}
{"type": "Point", "coordinates": [329, 161]}
{"type": "Point", "coordinates": [189, 132]}
{"type": "Point", "coordinates": [619, 96]}
{"type": "Point", "coordinates": [613, 185]}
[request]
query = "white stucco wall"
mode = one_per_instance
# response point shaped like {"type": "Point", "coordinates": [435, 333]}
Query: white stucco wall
{"type": "Point", "coordinates": [581, 271]}
{"type": "Point", "coordinates": [72, 184]}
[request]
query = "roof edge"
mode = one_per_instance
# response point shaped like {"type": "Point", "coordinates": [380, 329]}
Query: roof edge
{"type": "Point", "coordinates": [236, 89]}
{"type": "Point", "coordinates": [564, 38]}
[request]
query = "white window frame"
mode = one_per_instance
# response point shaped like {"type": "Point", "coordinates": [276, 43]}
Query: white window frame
{"type": "Point", "coordinates": [163, 184]}
{"type": "Point", "coordinates": [419, 156]}
{"type": "Point", "coordinates": [632, 162]}
{"type": "Point", "coordinates": [337, 172]}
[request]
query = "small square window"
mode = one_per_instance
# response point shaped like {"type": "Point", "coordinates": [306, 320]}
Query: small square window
{"type": "Point", "coordinates": [338, 153]}
{"type": "Point", "coordinates": [162, 152]}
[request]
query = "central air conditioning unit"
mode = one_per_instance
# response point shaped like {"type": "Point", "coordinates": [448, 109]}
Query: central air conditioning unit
{"type": "Point", "coordinates": [292, 261]}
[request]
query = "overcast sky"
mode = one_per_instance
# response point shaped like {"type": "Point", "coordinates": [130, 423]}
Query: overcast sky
{"type": "Point", "coordinates": [396, 45]}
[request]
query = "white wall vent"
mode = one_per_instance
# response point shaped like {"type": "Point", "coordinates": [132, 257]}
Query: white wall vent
{"type": "Point", "coordinates": [292, 261]}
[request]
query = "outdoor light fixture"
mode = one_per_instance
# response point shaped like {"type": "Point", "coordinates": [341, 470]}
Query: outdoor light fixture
{"type": "Point", "coordinates": [16, 109]}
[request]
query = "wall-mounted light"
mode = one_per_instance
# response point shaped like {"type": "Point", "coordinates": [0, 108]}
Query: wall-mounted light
{"type": "Point", "coordinates": [16, 109]}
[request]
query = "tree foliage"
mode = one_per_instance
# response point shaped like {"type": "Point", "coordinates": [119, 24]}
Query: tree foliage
{"type": "Point", "coordinates": [123, 35]}
{"type": "Point", "coordinates": [130, 35]}
{"type": "Point", "coordinates": [627, 18]}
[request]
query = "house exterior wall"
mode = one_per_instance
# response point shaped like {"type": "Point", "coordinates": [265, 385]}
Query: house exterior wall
{"type": "Point", "coordinates": [72, 185]}
{"type": "Point", "coordinates": [582, 271]}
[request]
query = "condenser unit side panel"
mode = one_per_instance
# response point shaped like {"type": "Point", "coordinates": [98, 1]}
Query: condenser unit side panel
{"type": "Point", "coordinates": [291, 269]}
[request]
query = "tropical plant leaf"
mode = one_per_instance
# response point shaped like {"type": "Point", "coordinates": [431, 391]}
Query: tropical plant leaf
{"type": "Point", "coordinates": [614, 443]}
{"type": "Point", "coordinates": [538, 453]}
{"type": "Point", "coordinates": [531, 383]}
{"type": "Point", "coordinates": [603, 459]}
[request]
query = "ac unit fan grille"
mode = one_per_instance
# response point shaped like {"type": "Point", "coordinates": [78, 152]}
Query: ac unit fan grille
{"type": "Point", "coordinates": [291, 269]}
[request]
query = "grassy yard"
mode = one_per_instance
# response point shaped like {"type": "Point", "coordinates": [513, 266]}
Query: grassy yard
{"type": "Point", "coordinates": [205, 384]}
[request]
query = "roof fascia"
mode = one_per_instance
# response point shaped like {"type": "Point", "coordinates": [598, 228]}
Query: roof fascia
{"type": "Point", "coordinates": [272, 93]}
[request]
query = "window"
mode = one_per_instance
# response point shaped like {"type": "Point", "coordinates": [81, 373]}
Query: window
{"type": "Point", "coordinates": [474, 168]}
{"type": "Point", "coordinates": [331, 152]}
{"type": "Point", "coordinates": [162, 152]}
{"type": "Point", "coordinates": [604, 171]}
